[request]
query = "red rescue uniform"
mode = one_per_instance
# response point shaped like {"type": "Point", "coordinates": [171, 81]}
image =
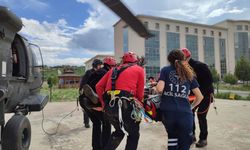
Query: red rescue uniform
{"type": "Point", "coordinates": [130, 80]}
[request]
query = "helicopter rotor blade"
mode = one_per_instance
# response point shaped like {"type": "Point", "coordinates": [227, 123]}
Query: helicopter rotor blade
{"type": "Point", "coordinates": [126, 15]}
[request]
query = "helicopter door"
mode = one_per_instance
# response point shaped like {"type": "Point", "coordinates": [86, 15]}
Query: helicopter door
{"type": "Point", "coordinates": [19, 58]}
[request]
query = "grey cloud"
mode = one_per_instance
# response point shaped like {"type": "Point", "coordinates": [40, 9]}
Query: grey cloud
{"type": "Point", "coordinates": [94, 39]}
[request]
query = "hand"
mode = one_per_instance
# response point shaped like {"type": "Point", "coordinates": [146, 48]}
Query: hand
{"type": "Point", "coordinates": [98, 108]}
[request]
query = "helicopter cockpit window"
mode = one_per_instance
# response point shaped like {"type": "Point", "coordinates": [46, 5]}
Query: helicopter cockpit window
{"type": "Point", "coordinates": [36, 55]}
{"type": "Point", "coordinates": [19, 58]}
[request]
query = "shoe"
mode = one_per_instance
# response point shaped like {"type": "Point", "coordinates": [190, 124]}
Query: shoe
{"type": "Point", "coordinates": [88, 92]}
{"type": "Point", "coordinates": [87, 126]}
{"type": "Point", "coordinates": [201, 143]}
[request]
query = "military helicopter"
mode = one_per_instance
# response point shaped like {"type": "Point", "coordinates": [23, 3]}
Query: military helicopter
{"type": "Point", "coordinates": [20, 82]}
{"type": "Point", "coordinates": [21, 79]}
{"type": "Point", "coordinates": [127, 16]}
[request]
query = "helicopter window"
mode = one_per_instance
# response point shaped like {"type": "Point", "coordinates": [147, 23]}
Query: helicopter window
{"type": "Point", "coordinates": [19, 57]}
{"type": "Point", "coordinates": [36, 56]}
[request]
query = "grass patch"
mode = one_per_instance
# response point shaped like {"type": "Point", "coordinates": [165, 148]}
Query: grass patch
{"type": "Point", "coordinates": [229, 96]}
{"type": "Point", "coordinates": [237, 87]}
{"type": "Point", "coordinates": [61, 95]}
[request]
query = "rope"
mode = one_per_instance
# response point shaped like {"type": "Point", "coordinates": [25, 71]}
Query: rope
{"type": "Point", "coordinates": [58, 124]}
{"type": "Point", "coordinates": [120, 117]}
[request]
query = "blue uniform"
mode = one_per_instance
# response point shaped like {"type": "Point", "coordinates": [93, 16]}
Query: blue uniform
{"type": "Point", "coordinates": [176, 109]}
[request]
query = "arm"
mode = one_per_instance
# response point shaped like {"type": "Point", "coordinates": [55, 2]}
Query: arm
{"type": "Point", "coordinates": [198, 96]}
{"type": "Point", "coordinates": [140, 85]}
{"type": "Point", "coordinates": [160, 86]}
{"type": "Point", "coordinates": [161, 83]}
{"type": "Point", "coordinates": [100, 87]}
{"type": "Point", "coordinates": [84, 79]}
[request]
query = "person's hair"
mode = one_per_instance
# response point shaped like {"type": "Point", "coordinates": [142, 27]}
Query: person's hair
{"type": "Point", "coordinates": [151, 77]}
{"type": "Point", "coordinates": [183, 69]}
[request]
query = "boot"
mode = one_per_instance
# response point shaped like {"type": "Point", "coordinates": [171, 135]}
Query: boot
{"type": "Point", "coordinates": [88, 91]}
{"type": "Point", "coordinates": [201, 143]}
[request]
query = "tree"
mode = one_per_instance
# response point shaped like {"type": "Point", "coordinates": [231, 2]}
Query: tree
{"type": "Point", "coordinates": [230, 78]}
{"type": "Point", "coordinates": [242, 69]}
{"type": "Point", "coordinates": [52, 80]}
{"type": "Point", "coordinates": [216, 78]}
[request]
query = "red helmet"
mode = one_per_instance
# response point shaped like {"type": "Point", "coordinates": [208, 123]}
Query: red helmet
{"type": "Point", "coordinates": [129, 57]}
{"type": "Point", "coordinates": [110, 61]}
{"type": "Point", "coordinates": [186, 52]}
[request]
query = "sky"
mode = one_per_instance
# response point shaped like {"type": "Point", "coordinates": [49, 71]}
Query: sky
{"type": "Point", "coordinates": [69, 32]}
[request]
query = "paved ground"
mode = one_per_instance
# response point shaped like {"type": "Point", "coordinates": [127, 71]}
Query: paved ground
{"type": "Point", "coordinates": [229, 130]}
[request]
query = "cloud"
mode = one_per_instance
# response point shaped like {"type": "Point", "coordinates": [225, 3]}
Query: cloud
{"type": "Point", "coordinates": [72, 61]}
{"type": "Point", "coordinates": [36, 5]}
{"type": "Point", "coordinates": [95, 39]}
{"type": "Point", "coordinates": [53, 39]}
{"type": "Point", "coordinates": [222, 11]}
{"type": "Point", "coordinates": [62, 43]}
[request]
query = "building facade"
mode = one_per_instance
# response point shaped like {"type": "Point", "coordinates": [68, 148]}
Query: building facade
{"type": "Point", "coordinates": [219, 45]}
{"type": "Point", "coordinates": [68, 79]}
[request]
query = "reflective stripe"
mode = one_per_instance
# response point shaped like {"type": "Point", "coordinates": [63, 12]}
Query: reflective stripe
{"type": "Point", "coordinates": [172, 144]}
{"type": "Point", "coordinates": [172, 140]}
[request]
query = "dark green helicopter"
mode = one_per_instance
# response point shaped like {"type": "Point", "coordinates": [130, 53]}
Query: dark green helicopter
{"type": "Point", "coordinates": [21, 79]}
{"type": "Point", "coordinates": [20, 82]}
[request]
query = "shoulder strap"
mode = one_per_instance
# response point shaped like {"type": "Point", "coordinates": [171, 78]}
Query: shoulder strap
{"type": "Point", "coordinates": [115, 74]}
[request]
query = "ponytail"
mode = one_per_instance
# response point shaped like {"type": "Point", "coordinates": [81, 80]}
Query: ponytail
{"type": "Point", "coordinates": [177, 59]}
{"type": "Point", "coordinates": [184, 70]}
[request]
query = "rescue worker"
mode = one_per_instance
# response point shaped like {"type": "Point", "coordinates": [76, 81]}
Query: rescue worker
{"type": "Point", "coordinates": [101, 128]}
{"type": "Point", "coordinates": [205, 80]}
{"type": "Point", "coordinates": [175, 82]}
{"type": "Point", "coordinates": [121, 92]}
{"type": "Point", "coordinates": [96, 64]}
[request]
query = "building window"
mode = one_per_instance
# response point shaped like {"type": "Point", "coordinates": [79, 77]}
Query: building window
{"type": "Point", "coordinates": [146, 24]}
{"type": "Point", "coordinates": [220, 34]}
{"type": "Point", "coordinates": [152, 54]}
{"type": "Point", "coordinates": [204, 32]}
{"type": "Point", "coordinates": [167, 27]}
{"type": "Point", "coordinates": [186, 29]}
{"type": "Point", "coordinates": [125, 39]}
{"type": "Point", "coordinates": [242, 45]}
{"type": "Point", "coordinates": [209, 56]}
{"type": "Point", "coordinates": [212, 33]}
{"type": "Point", "coordinates": [192, 45]}
{"type": "Point", "coordinates": [239, 27]}
{"type": "Point", "coordinates": [157, 26]}
{"type": "Point", "coordinates": [173, 41]}
{"type": "Point", "coordinates": [223, 63]}
{"type": "Point", "coordinates": [196, 31]}
{"type": "Point", "coordinates": [177, 28]}
{"type": "Point", "coordinates": [246, 27]}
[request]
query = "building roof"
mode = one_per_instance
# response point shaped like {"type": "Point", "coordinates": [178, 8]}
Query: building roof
{"type": "Point", "coordinates": [98, 56]}
{"type": "Point", "coordinates": [231, 20]}
{"type": "Point", "coordinates": [177, 21]}
{"type": "Point", "coordinates": [69, 75]}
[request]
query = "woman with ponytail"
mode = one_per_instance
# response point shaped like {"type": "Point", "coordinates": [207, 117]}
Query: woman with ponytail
{"type": "Point", "coordinates": [175, 83]}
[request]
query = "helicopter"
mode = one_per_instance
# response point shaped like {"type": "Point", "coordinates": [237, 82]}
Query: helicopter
{"type": "Point", "coordinates": [127, 16]}
{"type": "Point", "coordinates": [21, 78]}
{"type": "Point", "coordinates": [20, 82]}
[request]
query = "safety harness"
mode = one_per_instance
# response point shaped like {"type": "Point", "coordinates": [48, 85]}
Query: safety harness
{"type": "Point", "coordinates": [117, 96]}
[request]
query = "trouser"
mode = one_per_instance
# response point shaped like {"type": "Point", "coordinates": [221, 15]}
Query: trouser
{"type": "Point", "coordinates": [202, 111]}
{"type": "Point", "coordinates": [179, 127]}
{"type": "Point", "coordinates": [85, 118]}
{"type": "Point", "coordinates": [130, 126]}
{"type": "Point", "coordinates": [101, 130]}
